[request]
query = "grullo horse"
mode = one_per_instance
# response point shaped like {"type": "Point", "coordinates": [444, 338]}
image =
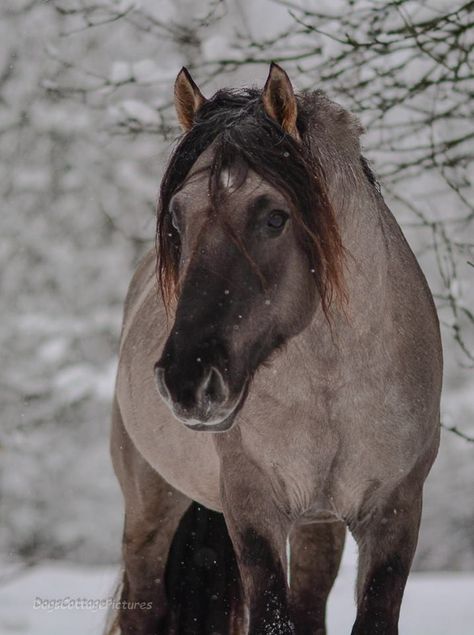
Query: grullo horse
{"type": "Point", "coordinates": [279, 383]}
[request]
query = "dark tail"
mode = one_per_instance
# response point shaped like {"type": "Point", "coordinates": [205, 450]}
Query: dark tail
{"type": "Point", "coordinates": [202, 577]}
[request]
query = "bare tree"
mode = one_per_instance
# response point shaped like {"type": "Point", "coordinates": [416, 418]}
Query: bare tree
{"type": "Point", "coordinates": [404, 66]}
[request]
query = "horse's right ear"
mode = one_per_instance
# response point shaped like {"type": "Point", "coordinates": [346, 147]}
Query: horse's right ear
{"type": "Point", "coordinates": [187, 99]}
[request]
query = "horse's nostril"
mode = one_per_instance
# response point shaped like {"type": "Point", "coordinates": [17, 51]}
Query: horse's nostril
{"type": "Point", "coordinates": [213, 388]}
{"type": "Point", "coordinates": [161, 383]}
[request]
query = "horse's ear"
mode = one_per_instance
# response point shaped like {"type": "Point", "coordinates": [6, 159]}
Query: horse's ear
{"type": "Point", "coordinates": [279, 100]}
{"type": "Point", "coordinates": [187, 99]}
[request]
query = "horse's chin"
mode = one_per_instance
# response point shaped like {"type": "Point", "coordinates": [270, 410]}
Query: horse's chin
{"type": "Point", "coordinates": [219, 424]}
{"type": "Point", "coordinates": [211, 426]}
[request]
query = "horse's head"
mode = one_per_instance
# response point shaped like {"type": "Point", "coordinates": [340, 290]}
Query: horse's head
{"type": "Point", "coordinates": [248, 244]}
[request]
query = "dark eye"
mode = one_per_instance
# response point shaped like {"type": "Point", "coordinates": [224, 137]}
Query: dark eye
{"type": "Point", "coordinates": [277, 220]}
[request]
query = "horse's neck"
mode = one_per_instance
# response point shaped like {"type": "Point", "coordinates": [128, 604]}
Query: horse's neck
{"type": "Point", "coordinates": [361, 219]}
{"type": "Point", "coordinates": [362, 216]}
{"type": "Point", "coordinates": [334, 138]}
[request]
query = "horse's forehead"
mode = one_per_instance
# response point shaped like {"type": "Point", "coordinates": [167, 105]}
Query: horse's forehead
{"type": "Point", "coordinates": [233, 182]}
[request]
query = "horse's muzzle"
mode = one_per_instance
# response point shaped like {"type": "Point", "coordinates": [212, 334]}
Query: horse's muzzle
{"type": "Point", "coordinates": [202, 403]}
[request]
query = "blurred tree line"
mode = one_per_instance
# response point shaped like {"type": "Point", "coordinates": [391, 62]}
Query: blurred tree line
{"type": "Point", "coordinates": [86, 124]}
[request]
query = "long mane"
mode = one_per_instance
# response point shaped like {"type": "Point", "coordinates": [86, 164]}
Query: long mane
{"type": "Point", "coordinates": [235, 122]}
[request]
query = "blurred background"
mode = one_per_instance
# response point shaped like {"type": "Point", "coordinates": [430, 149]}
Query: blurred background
{"type": "Point", "coordinates": [86, 126]}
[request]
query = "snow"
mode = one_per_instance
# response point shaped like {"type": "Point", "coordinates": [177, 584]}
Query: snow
{"type": "Point", "coordinates": [434, 603]}
{"type": "Point", "coordinates": [18, 615]}
{"type": "Point", "coordinates": [76, 382]}
{"type": "Point", "coordinates": [145, 71]}
{"type": "Point", "coordinates": [120, 72]}
{"type": "Point", "coordinates": [215, 47]}
{"type": "Point", "coordinates": [148, 72]}
{"type": "Point", "coordinates": [133, 109]}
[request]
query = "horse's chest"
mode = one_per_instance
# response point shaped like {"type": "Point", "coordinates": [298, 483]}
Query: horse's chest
{"type": "Point", "coordinates": [295, 464]}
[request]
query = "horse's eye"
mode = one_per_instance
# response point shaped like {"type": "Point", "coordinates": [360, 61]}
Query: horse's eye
{"type": "Point", "coordinates": [277, 220]}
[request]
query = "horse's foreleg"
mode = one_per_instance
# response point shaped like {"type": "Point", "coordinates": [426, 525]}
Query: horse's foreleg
{"type": "Point", "coordinates": [258, 530]}
{"type": "Point", "coordinates": [153, 510]}
{"type": "Point", "coordinates": [316, 551]}
{"type": "Point", "coordinates": [387, 543]}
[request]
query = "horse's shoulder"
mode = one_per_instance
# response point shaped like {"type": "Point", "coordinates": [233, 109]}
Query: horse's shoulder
{"type": "Point", "coordinates": [143, 277]}
{"type": "Point", "coordinates": [143, 300]}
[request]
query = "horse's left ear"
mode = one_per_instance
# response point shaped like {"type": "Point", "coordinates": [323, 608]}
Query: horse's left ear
{"type": "Point", "coordinates": [279, 100]}
{"type": "Point", "coordinates": [187, 99]}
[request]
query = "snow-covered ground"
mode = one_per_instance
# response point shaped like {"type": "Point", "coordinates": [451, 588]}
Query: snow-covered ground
{"type": "Point", "coordinates": [435, 603]}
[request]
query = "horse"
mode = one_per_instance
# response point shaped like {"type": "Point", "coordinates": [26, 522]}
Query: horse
{"type": "Point", "coordinates": [279, 377]}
